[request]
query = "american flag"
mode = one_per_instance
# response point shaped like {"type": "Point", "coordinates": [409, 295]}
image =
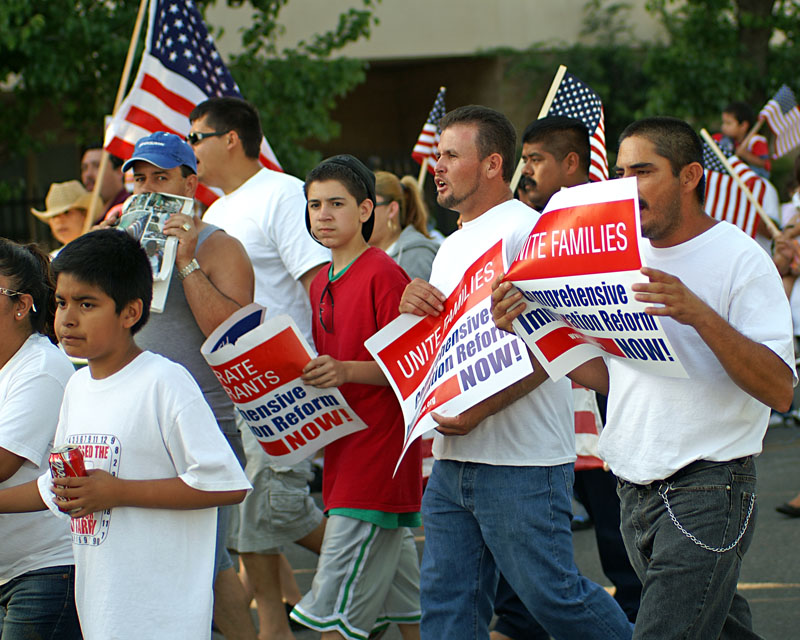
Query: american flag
{"type": "Point", "coordinates": [725, 199]}
{"type": "Point", "coordinates": [429, 136]}
{"type": "Point", "coordinates": [783, 117]}
{"type": "Point", "coordinates": [575, 99]}
{"type": "Point", "coordinates": [180, 68]}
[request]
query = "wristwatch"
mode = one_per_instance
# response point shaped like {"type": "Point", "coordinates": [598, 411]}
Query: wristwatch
{"type": "Point", "coordinates": [189, 268]}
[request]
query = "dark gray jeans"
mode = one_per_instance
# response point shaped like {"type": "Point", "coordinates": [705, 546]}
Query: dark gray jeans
{"type": "Point", "coordinates": [689, 592]}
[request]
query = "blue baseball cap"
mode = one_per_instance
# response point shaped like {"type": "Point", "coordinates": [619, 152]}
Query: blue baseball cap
{"type": "Point", "coordinates": [164, 150]}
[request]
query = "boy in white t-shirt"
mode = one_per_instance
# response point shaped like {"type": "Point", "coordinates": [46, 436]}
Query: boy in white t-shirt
{"type": "Point", "coordinates": [144, 519]}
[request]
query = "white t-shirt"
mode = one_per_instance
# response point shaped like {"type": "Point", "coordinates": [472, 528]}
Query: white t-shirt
{"type": "Point", "coordinates": [657, 425]}
{"type": "Point", "coordinates": [145, 573]}
{"type": "Point", "coordinates": [536, 430]}
{"type": "Point", "coordinates": [31, 387]}
{"type": "Point", "coordinates": [267, 215]}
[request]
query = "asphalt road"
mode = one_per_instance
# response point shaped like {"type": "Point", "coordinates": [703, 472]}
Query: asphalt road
{"type": "Point", "coordinates": [770, 578]}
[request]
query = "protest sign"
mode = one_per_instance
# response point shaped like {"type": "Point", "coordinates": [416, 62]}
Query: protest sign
{"type": "Point", "coordinates": [575, 272]}
{"type": "Point", "coordinates": [259, 365]}
{"type": "Point", "coordinates": [451, 362]}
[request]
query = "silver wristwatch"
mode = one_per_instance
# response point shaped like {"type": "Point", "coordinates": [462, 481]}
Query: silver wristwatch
{"type": "Point", "coordinates": [189, 268]}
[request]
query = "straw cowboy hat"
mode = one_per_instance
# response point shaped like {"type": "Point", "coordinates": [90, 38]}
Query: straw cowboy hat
{"type": "Point", "coordinates": [63, 196]}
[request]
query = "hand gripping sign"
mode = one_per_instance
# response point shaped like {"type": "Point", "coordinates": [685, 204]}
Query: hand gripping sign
{"type": "Point", "coordinates": [259, 366]}
{"type": "Point", "coordinates": [575, 273]}
{"type": "Point", "coordinates": [451, 362]}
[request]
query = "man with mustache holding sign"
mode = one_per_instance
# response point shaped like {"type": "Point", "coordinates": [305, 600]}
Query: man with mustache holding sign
{"type": "Point", "coordinates": [683, 448]}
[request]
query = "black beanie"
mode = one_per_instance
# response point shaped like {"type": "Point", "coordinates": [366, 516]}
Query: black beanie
{"type": "Point", "coordinates": [366, 177]}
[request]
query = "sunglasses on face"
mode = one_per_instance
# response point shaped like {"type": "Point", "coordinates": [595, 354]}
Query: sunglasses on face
{"type": "Point", "coordinates": [195, 137]}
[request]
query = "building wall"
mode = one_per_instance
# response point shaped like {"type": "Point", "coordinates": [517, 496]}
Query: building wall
{"type": "Point", "coordinates": [433, 28]}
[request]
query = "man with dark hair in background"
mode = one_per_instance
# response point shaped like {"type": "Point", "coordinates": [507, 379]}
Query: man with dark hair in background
{"type": "Point", "coordinates": [502, 479]}
{"type": "Point", "coordinates": [556, 154]}
{"type": "Point", "coordinates": [265, 211]}
{"type": "Point", "coordinates": [112, 191]}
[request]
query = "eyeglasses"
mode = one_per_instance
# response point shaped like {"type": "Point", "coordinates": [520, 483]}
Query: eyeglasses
{"type": "Point", "coordinates": [326, 310]}
{"type": "Point", "coordinates": [195, 137]}
{"type": "Point", "coordinates": [12, 294]}
{"type": "Point", "coordinates": [383, 203]}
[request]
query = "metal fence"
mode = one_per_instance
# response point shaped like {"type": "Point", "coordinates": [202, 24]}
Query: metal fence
{"type": "Point", "coordinates": [17, 223]}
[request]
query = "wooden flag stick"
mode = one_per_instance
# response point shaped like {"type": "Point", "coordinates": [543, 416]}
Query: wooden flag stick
{"type": "Point", "coordinates": [751, 133]}
{"type": "Point", "coordinates": [123, 84]}
{"type": "Point", "coordinates": [423, 173]}
{"type": "Point", "coordinates": [773, 229]}
{"type": "Point", "coordinates": [548, 101]}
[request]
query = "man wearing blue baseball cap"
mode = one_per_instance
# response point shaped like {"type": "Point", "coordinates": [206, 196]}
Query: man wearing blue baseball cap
{"type": "Point", "coordinates": [212, 278]}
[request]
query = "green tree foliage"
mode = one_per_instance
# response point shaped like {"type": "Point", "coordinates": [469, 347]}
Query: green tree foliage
{"type": "Point", "coordinates": [714, 52]}
{"type": "Point", "coordinates": [67, 58]}
{"type": "Point", "coordinates": [719, 51]}
{"type": "Point", "coordinates": [68, 55]}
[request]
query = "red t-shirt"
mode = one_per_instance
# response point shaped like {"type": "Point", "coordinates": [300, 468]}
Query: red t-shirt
{"type": "Point", "coordinates": [358, 468]}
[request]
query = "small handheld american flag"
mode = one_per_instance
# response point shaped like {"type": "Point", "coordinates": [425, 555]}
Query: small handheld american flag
{"type": "Point", "coordinates": [725, 199]}
{"type": "Point", "coordinates": [783, 117]}
{"type": "Point", "coordinates": [429, 136]}
{"type": "Point", "coordinates": [575, 99]}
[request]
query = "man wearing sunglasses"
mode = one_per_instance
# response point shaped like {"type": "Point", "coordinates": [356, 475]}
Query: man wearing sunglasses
{"type": "Point", "coordinates": [265, 211]}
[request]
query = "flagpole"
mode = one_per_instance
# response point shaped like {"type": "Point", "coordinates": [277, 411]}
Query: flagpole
{"type": "Point", "coordinates": [123, 83]}
{"type": "Point", "coordinates": [551, 95]}
{"type": "Point", "coordinates": [751, 133]}
{"type": "Point", "coordinates": [773, 229]}
{"type": "Point", "coordinates": [423, 172]}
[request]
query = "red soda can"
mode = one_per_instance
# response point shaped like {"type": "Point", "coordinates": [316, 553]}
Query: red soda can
{"type": "Point", "coordinates": [66, 461]}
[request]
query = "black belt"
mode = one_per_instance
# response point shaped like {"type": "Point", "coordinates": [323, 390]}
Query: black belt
{"type": "Point", "coordinates": [697, 465]}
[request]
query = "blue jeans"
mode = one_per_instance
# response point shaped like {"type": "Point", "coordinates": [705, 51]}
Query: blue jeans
{"type": "Point", "coordinates": [690, 592]}
{"type": "Point", "coordinates": [40, 605]}
{"type": "Point", "coordinates": [483, 518]}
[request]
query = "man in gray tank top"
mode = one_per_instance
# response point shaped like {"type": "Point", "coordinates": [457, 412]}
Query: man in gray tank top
{"type": "Point", "coordinates": [212, 278]}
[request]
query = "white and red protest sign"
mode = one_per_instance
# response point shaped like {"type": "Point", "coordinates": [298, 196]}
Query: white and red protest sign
{"type": "Point", "coordinates": [575, 273]}
{"type": "Point", "coordinates": [259, 366]}
{"type": "Point", "coordinates": [451, 362]}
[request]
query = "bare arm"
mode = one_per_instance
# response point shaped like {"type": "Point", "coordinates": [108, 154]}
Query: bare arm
{"type": "Point", "coordinates": [22, 499]}
{"type": "Point", "coordinates": [223, 284]}
{"type": "Point", "coordinates": [325, 372]}
{"type": "Point", "coordinates": [754, 367]}
{"type": "Point", "coordinates": [9, 464]}
{"type": "Point", "coordinates": [100, 490]}
{"type": "Point", "coordinates": [308, 276]}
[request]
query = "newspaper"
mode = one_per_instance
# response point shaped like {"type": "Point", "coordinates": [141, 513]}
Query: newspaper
{"type": "Point", "coordinates": [143, 217]}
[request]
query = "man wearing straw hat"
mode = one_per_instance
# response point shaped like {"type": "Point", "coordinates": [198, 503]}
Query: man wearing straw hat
{"type": "Point", "coordinates": [66, 206]}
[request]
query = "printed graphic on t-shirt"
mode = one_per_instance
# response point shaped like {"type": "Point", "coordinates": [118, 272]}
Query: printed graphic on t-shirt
{"type": "Point", "coordinates": [100, 451]}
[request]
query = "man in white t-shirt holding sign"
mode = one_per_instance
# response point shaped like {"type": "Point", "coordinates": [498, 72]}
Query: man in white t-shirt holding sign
{"type": "Point", "coordinates": [502, 480]}
{"type": "Point", "coordinates": [683, 448]}
{"type": "Point", "coordinates": [265, 211]}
